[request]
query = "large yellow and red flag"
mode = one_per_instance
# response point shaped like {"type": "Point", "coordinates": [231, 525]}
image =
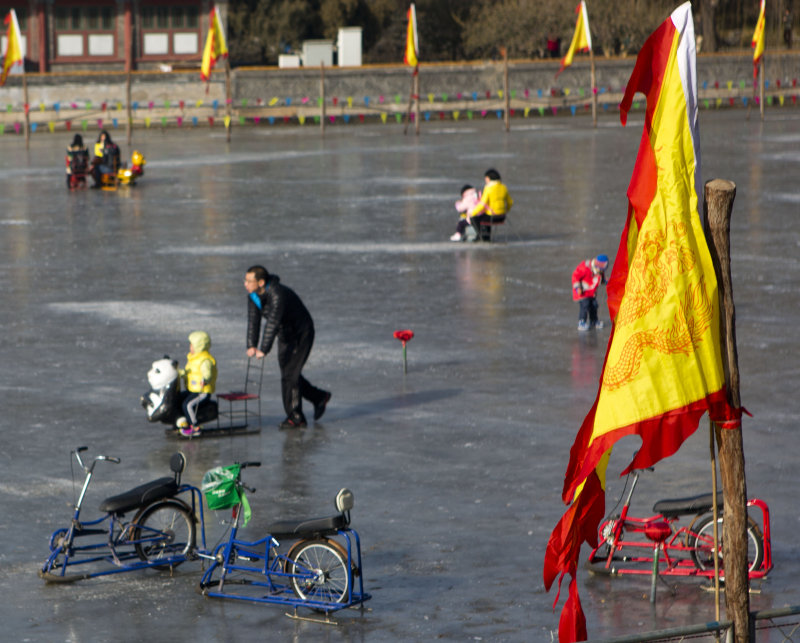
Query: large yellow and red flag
{"type": "Point", "coordinates": [663, 367]}
{"type": "Point", "coordinates": [13, 46]}
{"type": "Point", "coordinates": [581, 39]}
{"type": "Point", "coordinates": [758, 39]}
{"type": "Point", "coordinates": [216, 47]}
{"type": "Point", "coordinates": [412, 44]}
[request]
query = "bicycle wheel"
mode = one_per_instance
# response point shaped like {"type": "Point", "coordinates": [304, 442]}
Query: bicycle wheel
{"type": "Point", "coordinates": [318, 570]}
{"type": "Point", "coordinates": [703, 544]}
{"type": "Point", "coordinates": [164, 531]}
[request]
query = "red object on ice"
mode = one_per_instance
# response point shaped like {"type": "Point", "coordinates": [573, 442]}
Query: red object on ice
{"type": "Point", "coordinates": [403, 335]}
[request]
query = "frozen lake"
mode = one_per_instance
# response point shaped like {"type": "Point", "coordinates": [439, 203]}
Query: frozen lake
{"type": "Point", "coordinates": [457, 466]}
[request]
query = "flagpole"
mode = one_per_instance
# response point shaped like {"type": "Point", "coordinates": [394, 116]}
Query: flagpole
{"type": "Point", "coordinates": [128, 101]}
{"type": "Point", "coordinates": [505, 89]}
{"type": "Point", "coordinates": [416, 100]}
{"type": "Point", "coordinates": [410, 104]}
{"type": "Point", "coordinates": [761, 86]}
{"type": "Point", "coordinates": [594, 87]}
{"type": "Point", "coordinates": [26, 107]}
{"type": "Point", "coordinates": [715, 513]}
{"type": "Point", "coordinates": [228, 99]}
{"type": "Point", "coordinates": [322, 99]}
{"type": "Point", "coordinates": [718, 205]}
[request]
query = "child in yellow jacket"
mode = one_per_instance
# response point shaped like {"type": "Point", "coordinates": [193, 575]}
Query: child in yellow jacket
{"type": "Point", "coordinates": [199, 377]}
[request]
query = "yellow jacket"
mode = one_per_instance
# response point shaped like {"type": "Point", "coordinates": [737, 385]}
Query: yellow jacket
{"type": "Point", "coordinates": [200, 372]}
{"type": "Point", "coordinates": [495, 201]}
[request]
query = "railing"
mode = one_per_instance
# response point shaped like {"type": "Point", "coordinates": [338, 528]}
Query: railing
{"type": "Point", "coordinates": [786, 620]}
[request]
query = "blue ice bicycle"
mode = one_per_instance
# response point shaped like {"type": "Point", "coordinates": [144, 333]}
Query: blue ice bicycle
{"type": "Point", "coordinates": [161, 534]}
{"type": "Point", "coordinates": [319, 568]}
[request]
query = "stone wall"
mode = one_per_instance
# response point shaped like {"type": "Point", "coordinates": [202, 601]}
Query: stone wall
{"type": "Point", "coordinates": [175, 97]}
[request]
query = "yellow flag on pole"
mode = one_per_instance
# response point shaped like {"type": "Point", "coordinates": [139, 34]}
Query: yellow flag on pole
{"type": "Point", "coordinates": [14, 46]}
{"type": "Point", "coordinates": [663, 368]}
{"type": "Point", "coordinates": [581, 39]}
{"type": "Point", "coordinates": [215, 48]}
{"type": "Point", "coordinates": [412, 43]}
{"type": "Point", "coordinates": [758, 39]}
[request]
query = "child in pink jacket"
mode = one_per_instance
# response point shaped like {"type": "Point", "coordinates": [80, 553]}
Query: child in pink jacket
{"type": "Point", "coordinates": [469, 199]}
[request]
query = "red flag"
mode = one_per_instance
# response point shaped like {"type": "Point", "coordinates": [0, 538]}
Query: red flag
{"type": "Point", "coordinates": [663, 367]}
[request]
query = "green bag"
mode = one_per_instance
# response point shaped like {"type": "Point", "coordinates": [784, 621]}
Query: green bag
{"type": "Point", "coordinates": [221, 490]}
{"type": "Point", "coordinates": [219, 487]}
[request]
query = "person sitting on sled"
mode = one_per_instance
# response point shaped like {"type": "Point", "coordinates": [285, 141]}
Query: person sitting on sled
{"type": "Point", "coordinates": [469, 199]}
{"type": "Point", "coordinates": [77, 160]}
{"type": "Point", "coordinates": [106, 158]}
{"type": "Point", "coordinates": [199, 377]}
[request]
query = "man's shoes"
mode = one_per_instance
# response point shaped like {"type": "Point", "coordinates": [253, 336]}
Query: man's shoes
{"type": "Point", "coordinates": [290, 423]}
{"type": "Point", "coordinates": [456, 237]}
{"type": "Point", "coordinates": [319, 408]}
{"type": "Point", "coordinates": [599, 325]}
{"type": "Point", "coordinates": [583, 325]}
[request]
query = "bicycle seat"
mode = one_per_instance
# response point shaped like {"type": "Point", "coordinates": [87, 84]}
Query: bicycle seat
{"type": "Point", "coordinates": [307, 528]}
{"type": "Point", "coordinates": [141, 495]}
{"type": "Point", "coordinates": [672, 508]}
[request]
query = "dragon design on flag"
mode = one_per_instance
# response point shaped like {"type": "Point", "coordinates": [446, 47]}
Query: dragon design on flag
{"type": "Point", "coordinates": [659, 263]}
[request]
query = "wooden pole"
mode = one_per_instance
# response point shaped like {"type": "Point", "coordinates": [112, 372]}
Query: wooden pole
{"type": "Point", "coordinates": [593, 80]}
{"type": "Point", "coordinates": [761, 87]}
{"type": "Point", "coordinates": [26, 108]}
{"type": "Point", "coordinates": [407, 117]}
{"type": "Point", "coordinates": [416, 102]}
{"type": "Point", "coordinates": [506, 94]}
{"type": "Point", "coordinates": [715, 513]}
{"type": "Point", "coordinates": [322, 99]}
{"type": "Point", "coordinates": [128, 68]}
{"type": "Point", "coordinates": [228, 98]}
{"type": "Point", "coordinates": [717, 208]}
{"type": "Point", "coordinates": [129, 108]}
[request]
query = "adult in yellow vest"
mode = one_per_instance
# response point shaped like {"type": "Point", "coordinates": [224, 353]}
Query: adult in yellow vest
{"type": "Point", "coordinates": [199, 377]}
{"type": "Point", "coordinates": [495, 201]}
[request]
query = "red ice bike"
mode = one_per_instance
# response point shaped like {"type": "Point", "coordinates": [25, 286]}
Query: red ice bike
{"type": "Point", "coordinates": [664, 545]}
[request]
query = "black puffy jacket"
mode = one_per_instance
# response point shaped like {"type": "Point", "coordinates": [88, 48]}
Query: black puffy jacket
{"type": "Point", "coordinates": [284, 313]}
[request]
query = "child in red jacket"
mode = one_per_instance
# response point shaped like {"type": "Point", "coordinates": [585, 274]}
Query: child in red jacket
{"type": "Point", "coordinates": [586, 279]}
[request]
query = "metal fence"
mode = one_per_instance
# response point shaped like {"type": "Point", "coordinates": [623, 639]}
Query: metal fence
{"type": "Point", "coordinates": [780, 625]}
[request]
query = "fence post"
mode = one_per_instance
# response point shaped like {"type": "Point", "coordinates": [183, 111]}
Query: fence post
{"type": "Point", "coordinates": [718, 205]}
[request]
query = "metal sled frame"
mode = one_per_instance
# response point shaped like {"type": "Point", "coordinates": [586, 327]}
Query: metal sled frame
{"type": "Point", "coordinates": [244, 407]}
{"type": "Point", "coordinates": [267, 571]}
{"type": "Point", "coordinates": [112, 546]}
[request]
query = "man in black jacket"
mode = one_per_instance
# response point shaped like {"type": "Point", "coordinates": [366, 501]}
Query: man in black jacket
{"type": "Point", "coordinates": [287, 319]}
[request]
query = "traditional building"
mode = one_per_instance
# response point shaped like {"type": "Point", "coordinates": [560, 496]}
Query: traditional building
{"type": "Point", "coordinates": [70, 35]}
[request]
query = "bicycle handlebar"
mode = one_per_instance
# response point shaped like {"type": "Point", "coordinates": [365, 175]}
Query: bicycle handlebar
{"type": "Point", "coordinates": [106, 458]}
{"type": "Point", "coordinates": [244, 465]}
